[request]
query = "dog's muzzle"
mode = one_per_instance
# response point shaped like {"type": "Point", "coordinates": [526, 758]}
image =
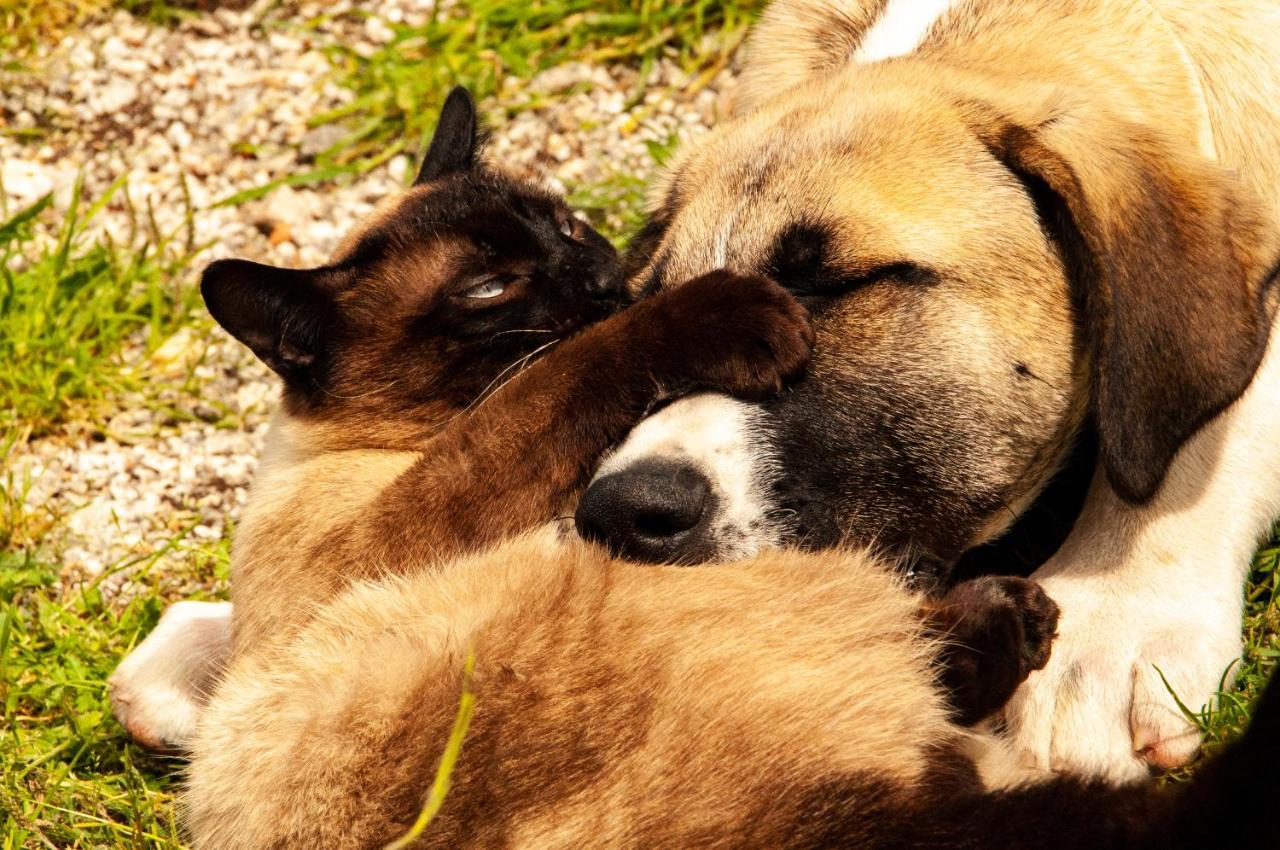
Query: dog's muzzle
{"type": "Point", "coordinates": [687, 486]}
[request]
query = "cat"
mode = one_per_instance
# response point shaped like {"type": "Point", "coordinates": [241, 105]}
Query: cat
{"type": "Point", "coordinates": [449, 380]}
{"type": "Point", "coordinates": [792, 700]}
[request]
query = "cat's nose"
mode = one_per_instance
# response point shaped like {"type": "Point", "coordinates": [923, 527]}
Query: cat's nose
{"type": "Point", "coordinates": [605, 283]}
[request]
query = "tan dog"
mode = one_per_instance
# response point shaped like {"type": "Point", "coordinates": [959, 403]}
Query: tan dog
{"type": "Point", "coordinates": [1017, 223]}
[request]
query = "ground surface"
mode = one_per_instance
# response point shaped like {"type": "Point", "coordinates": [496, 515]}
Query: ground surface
{"type": "Point", "coordinates": [137, 142]}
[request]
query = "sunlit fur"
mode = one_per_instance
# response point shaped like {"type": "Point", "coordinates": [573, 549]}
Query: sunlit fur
{"type": "Point", "coordinates": [936, 411]}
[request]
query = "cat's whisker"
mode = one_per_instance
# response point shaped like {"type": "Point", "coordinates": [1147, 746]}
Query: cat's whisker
{"type": "Point", "coordinates": [373, 391]}
{"type": "Point", "coordinates": [523, 364]}
{"type": "Point", "coordinates": [525, 331]}
{"type": "Point", "coordinates": [518, 366]}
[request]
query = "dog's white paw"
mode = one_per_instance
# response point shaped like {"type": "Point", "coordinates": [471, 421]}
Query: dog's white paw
{"type": "Point", "coordinates": [1100, 707]}
{"type": "Point", "coordinates": [160, 689]}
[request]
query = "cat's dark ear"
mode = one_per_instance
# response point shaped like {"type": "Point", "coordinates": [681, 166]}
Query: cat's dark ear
{"type": "Point", "coordinates": [281, 314]}
{"type": "Point", "coordinates": [456, 142]}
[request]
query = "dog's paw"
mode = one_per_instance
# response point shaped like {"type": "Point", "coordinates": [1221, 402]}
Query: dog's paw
{"type": "Point", "coordinates": [159, 691]}
{"type": "Point", "coordinates": [1100, 706]}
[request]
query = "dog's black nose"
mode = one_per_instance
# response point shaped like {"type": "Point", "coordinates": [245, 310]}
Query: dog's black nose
{"type": "Point", "coordinates": [656, 510]}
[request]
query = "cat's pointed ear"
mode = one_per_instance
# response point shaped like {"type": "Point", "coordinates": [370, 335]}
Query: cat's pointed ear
{"type": "Point", "coordinates": [281, 314]}
{"type": "Point", "coordinates": [456, 142]}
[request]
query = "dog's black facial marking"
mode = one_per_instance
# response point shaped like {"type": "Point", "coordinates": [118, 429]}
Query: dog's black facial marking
{"type": "Point", "coordinates": [798, 259]}
{"type": "Point", "coordinates": [884, 488]}
{"type": "Point", "coordinates": [801, 261]}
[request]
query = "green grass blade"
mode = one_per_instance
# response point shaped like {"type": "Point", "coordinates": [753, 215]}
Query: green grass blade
{"type": "Point", "coordinates": [452, 750]}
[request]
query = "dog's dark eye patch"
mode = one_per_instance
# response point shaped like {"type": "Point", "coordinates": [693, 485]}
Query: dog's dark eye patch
{"type": "Point", "coordinates": [902, 272]}
{"type": "Point", "coordinates": [799, 257]}
{"type": "Point", "coordinates": [800, 260]}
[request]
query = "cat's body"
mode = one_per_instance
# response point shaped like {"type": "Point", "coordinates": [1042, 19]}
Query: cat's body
{"type": "Point", "coordinates": [617, 705]}
{"type": "Point", "coordinates": [792, 700]}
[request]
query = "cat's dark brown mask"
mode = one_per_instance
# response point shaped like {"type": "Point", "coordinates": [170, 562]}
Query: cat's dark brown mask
{"type": "Point", "coordinates": [429, 304]}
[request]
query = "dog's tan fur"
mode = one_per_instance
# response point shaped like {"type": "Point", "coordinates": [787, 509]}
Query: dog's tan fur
{"type": "Point", "coordinates": [678, 708]}
{"type": "Point", "coordinates": [605, 692]}
{"type": "Point", "coordinates": [1113, 104]}
{"type": "Point", "coordinates": [1096, 184]}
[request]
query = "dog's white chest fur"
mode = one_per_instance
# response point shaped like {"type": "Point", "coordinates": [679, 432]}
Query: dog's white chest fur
{"type": "Point", "coordinates": [900, 29]}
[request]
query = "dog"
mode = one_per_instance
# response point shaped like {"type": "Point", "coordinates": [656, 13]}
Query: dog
{"type": "Point", "coordinates": [1023, 227]}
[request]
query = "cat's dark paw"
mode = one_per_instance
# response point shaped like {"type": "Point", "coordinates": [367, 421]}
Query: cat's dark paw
{"type": "Point", "coordinates": [997, 630]}
{"type": "Point", "coordinates": [1038, 615]}
{"type": "Point", "coordinates": [740, 334]}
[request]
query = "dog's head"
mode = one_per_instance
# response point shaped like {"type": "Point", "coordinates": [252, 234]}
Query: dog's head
{"type": "Point", "coordinates": [984, 275]}
{"type": "Point", "coordinates": [461, 277]}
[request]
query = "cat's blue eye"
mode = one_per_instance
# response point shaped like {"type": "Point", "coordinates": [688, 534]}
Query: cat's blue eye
{"type": "Point", "coordinates": [491, 288]}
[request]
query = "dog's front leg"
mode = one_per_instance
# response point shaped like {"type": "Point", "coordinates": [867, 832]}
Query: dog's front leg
{"type": "Point", "coordinates": [1151, 589]}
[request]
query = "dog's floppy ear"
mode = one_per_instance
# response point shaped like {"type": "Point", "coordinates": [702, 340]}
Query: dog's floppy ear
{"type": "Point", "coordinates": [281, 314]}
{"type": "Point", "coordinates": [456, 141]}
{"type": "Point", "coordinates": [1171, 263]}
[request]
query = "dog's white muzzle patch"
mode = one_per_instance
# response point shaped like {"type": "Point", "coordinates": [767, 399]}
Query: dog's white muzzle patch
{"type": "Point", "coordinates": [724, 440]}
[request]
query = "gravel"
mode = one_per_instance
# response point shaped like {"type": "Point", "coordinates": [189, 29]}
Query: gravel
{"type": "Point", "coordinates": [168, 106]}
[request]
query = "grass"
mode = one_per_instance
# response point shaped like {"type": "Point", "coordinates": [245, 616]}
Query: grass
{"type": "Point", "coordinates": [70, 779]}
{"type": "Point", "coordinates": [69, 306]}
{"type": "Point", "coordinates": [79, 315]}
{"type": "Point", "coordinates": [492, 47]}
{"type": "Point", "coordinates": [27, 23]}
{"type": "Point", "coordinates": [448, 760]}
{"type": "Point", "coordinates": [1225, 721]}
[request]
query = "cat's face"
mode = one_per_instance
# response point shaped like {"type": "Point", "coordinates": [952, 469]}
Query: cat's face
{"type": "Point", "coordinates": [433, 302]}
{"type": "Point", "coordinates": [459, 279]}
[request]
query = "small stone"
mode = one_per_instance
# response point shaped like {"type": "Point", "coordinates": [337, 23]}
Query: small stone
{"type": "Point", "coordinates": [178, 135]}
{"type": "Point", "coordinates": [377, 30]}
{"type": "Point", "coordinates": [319, 139]}
{"type": "Point", "coordinates": [206, 412]}
{"type": "Point", "coordinates": [25, 181]}
{"type": "Point", "coordinates": [113, 97]}
{"type": "Point", "coordinates": [280, 233]}
{"type": "Point", "coordinates": [398, 169]}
